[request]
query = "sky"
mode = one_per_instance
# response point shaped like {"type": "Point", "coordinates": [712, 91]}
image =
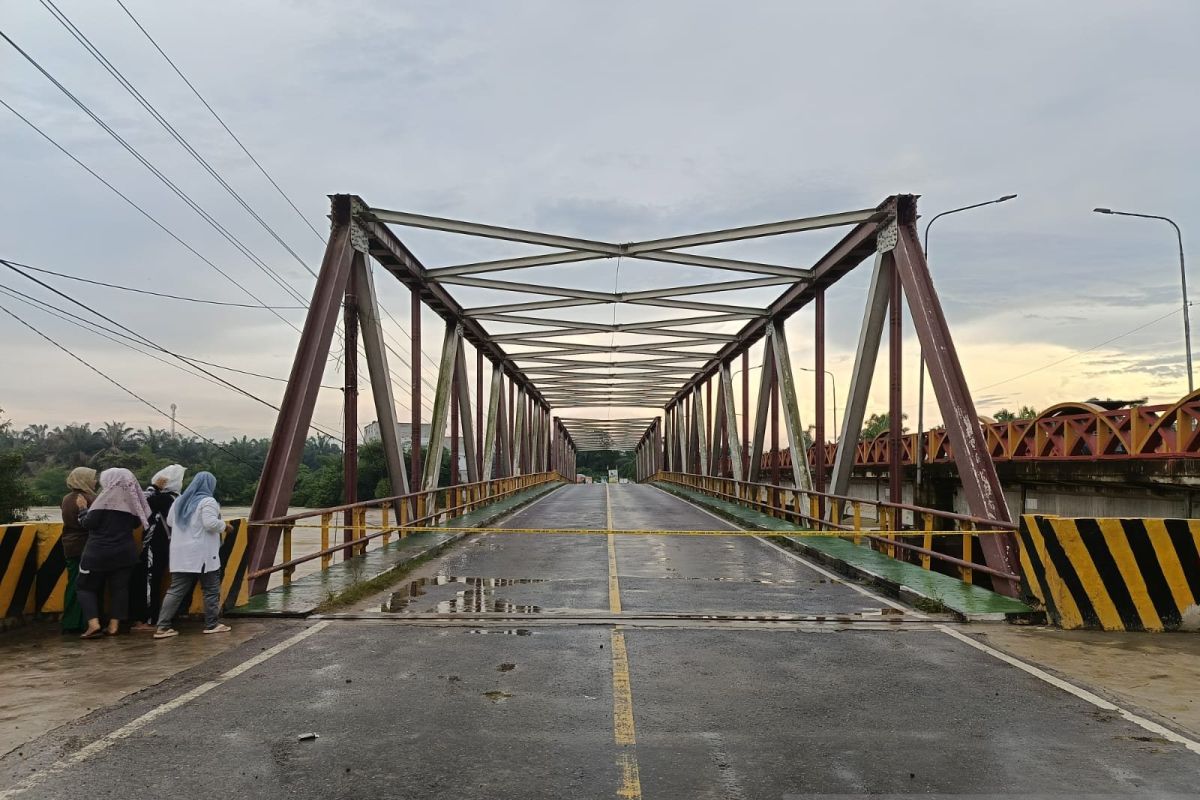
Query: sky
{"type": "Point", "coordinates": [617, 121]}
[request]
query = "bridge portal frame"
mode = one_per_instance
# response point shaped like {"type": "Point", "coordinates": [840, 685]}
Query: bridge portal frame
{"type": "Point", "coordinates": [694, 435]}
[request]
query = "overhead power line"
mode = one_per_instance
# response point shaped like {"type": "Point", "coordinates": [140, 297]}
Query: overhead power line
{"type": "Point", "coordinates": [126, 389]}
{"type": "Point", "coordinates": [150, 292]}
{"type": "Point", "coordinates": [156, 172]}
{"type": "Point", "coordinates": [149, 342]}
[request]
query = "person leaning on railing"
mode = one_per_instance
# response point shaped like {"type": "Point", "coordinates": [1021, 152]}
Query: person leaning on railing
{"type": "Point", "coordinates": [196, 528]}
{"type": "Point", "coordinates": [82, 483]}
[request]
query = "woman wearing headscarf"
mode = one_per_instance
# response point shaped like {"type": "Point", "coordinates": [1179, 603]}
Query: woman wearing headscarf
{"type": "Point", "coordinates": [82, 483]}
{"type": "Point", "coordinates": [145, 588]}
{"type": "Point", "coordinates": [110, 552]}
{"type": "Point", "coordinates": [196, 527]}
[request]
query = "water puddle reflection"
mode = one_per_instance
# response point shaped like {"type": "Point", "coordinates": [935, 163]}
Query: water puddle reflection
{"type": "Point", "coordinates": [478, 595]}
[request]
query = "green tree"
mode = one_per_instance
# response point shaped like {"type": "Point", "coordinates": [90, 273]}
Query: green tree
{"type": "Point", "coordinates": [15, 495]}
{"type": "Point", "coordinates": [1024, 412]}
{"type": "Point", "coordinates": [879, 424]}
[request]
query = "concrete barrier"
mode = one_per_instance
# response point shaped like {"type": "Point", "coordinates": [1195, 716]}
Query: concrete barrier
{"type": "Point", "coordinates": [1118, 574]}
{"type": "Point", "coordinates": [33, 570]}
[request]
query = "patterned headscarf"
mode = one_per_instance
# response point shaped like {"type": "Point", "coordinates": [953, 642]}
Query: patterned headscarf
{"type": "Point", "coordinates": [171, 477]}
{"type": "Point", "coordinates": [82, 479]}
{"type": "Point", "coordinates": [119, 491]}
{"type": "Point", "coordinates": [202, 486]}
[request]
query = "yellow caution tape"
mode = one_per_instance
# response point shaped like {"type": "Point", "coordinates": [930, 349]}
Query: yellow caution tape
{"type": "Point", "coordinates": [638, 532]}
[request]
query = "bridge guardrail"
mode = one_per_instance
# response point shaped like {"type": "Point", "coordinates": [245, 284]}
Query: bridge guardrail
{"type": "Point", "coordinates": [808, 508]}
{"type": "Point", "coordinates": [422, 509]}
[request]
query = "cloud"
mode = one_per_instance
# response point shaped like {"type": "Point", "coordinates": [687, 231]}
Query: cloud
{"type": "Point", "coordinates": [617, 121]}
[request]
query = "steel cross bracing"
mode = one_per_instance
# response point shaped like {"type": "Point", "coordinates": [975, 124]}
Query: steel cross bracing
{"type": "Point", "coordinates": [546, 356]}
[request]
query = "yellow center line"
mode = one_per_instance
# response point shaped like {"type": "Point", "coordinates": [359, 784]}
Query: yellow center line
{"type": "Point", "coordinates": [614, 586]}
{"type": "Point", "coordinates": [624, 733]}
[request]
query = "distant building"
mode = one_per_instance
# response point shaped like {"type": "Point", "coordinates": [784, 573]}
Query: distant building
{"type": "Point", "coordinates": [404, 434]}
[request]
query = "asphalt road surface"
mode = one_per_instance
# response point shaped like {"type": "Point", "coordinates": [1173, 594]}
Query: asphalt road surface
{"type": "Point", "coordinates": [597, 666]}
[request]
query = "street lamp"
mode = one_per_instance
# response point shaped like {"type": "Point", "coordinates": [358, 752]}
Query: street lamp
{"type": "Point", "coordinates": [833, 386]}
{"type": "Point", "coordinates": [921, 380]}
{"type": "Point", "coordinates": [1187, 325]}
{"type": "Point", "coordinates": [832, 383]}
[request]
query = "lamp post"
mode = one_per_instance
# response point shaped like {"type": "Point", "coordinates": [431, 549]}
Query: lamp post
{"type": "Point", "coordinates": [833, 387]}
{"type": "Point", "coordinates": [921, 379]}
{"type": "Point", "coordinates": [1187, 325]}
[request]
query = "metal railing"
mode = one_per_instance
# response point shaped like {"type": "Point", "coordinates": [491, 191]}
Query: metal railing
{"type": "Point", "coordinates": [830, 512]}
{"type": "Point", "coordinates": [422, 509]}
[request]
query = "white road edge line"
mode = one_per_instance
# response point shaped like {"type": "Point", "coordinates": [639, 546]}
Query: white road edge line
{"type": "Point", "coordinates": [1070, 688]}
{"type": "Point", "coordinates": [796, 557]}
{"type": "Point", "coordinates": [134, 725]}
{"type": "Point", "coordinates": [1041, 674]}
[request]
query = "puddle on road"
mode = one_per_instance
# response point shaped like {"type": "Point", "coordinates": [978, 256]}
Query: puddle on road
{"type": "Point", "coordinates": [478, 596]}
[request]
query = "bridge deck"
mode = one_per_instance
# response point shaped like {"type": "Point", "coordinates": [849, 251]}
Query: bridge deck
{"type": "Point", "coordinates": [514, 701]}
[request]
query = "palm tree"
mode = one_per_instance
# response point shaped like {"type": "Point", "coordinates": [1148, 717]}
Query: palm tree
{"type": "Point", "coordinates": [153, 438]}
{"type": "Point", "coordinates": [117, 436]}
{"type": "Point", "coordinates": [76, 444]}
{"type": "Point", "coordinates": [35, 435]}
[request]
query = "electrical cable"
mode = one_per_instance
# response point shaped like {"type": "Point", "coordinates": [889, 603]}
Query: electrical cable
{"type": "Point", "coordinates": [150, 292]}
{"type": "Point", "coordinates": [145, 340]}
{"type": "Point", "coordinates": [144, 212]}
{"type": "Point", "coordinates": [127, 390]}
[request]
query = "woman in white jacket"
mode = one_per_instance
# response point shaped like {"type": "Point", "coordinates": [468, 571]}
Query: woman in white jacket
{"type": "Point", "coordinates": [196, 528]}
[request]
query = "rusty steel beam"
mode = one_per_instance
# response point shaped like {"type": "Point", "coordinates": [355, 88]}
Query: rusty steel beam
{"type": "Point", "coordinates": [395, 257]}
{"type": "Point", "coordinates": [350, 407]}
{"type": "Point", "coordinates": [416, 358]}
{"type": "Point", "coordinates": [274, 492]}
{"type": "Point", "coordinates": [847, 254]}
{"type": "Point", "coordinates": [819, 395]}
{"type": "Point", "coordinates": [981, 485]}
{"type": "Point", "coordinates": [895, 399]}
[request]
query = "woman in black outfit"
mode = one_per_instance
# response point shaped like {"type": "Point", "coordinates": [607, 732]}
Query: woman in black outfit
{"type": "Point", "coordinates": [110, 554]}
{"type": "Point", "coordinates": [146, 584]}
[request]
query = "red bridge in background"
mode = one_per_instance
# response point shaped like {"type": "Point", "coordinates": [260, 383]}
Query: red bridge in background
{"type": "Point", "coordinates": [1064, 432]}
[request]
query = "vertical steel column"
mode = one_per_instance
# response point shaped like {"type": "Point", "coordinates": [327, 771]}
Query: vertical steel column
{"type": "Point", "coordinates": [299, 398]}
{"type": "Point", "coordinates": [703, 419]}
{"type": "Point", "coordinates": [416, 358]}
{"type": "Point", "coordinates": [350, 409]}
{"type": "Point", "coordinates": [519, 432]}
{"type": "Point", "coordinates": [371, 328]}
{"type": "Point", "coordinates": [708, 416]}
{"type": "Point", "coordinates": [441, 409]}
{"type": "Point", "coordinates": [479, 412]}
{"type": "Point", "coordinates": [716, 442]}
{"type": "Point", "coordinates": [766, 379]}
{"type": "Point", "coordinates": [786, 383]}
{"type": "Point", "coordinates": [819, 395]}
{"type": "Point", "coordinates": [494, 426]}
{"type": "Point", "coordinates": [466, 425]}
{"type": "Point", "coordinates": [981, 485]}
{"type": "Point", "coordinates": [869, 336]}
{"type": "Point", "coordinates": [455, 385]}
{"type": "Point", "coordinates": [658, 444]}
{"type": "Point", "coordinates": [895, 400]}
{"type": "Point", "coordinates": [731, 425]}
{"type": "Point", "coordinates": [746, 410]}
{"type": "Point", "coordinates": [774, 418]}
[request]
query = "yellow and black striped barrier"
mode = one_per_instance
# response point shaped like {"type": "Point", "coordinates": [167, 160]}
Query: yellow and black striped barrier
{"type": "Point", "coordinates": [33, 569]}
{"type": "Point", "coordinates": [18, 570]}
{"type": "Point", "coordinates": [1130, 574]}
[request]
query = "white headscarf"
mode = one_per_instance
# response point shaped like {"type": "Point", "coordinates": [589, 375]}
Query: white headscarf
{"type": "Point", "coordinates": [119, 491]}
{"type": "Point", "coordinates": [171, 477]}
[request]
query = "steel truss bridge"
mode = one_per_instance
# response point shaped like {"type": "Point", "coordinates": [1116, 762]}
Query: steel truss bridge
{"type": "Point", "coordinates": [546, 362]}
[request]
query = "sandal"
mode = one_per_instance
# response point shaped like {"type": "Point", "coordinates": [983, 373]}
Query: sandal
{"type": "Point", "coordinates": [96, 634]}
{"type": "Point", "coordinates": [165, 633]}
